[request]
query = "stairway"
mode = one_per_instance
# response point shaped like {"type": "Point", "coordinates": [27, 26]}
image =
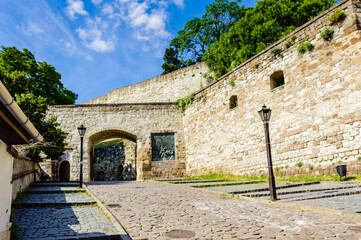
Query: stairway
{"type": "Point", "coordinates": [61, 210]}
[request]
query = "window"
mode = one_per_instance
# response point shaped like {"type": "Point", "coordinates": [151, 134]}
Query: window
{"type": "Point", "coordinates": [277, 79]}
{"type": "Point", "coordinates": [163, 147]}
{"type": "Point", "coordinates": [233, 102]}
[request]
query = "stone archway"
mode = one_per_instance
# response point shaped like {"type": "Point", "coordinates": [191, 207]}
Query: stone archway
{"type": "Point", "coordinates": [64, 171]}
{"type": "Point", "coordinates": [112, 163]}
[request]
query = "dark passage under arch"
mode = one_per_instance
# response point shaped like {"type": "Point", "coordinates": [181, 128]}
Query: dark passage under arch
{"type": "Point", "coordinates": [64, 171]}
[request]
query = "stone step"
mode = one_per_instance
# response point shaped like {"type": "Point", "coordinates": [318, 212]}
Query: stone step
{"type": "Point", "coordinates": [320, 195]}
{"type": "Point", "coordinates": [308, 189]}
{"type": "Point", "coordinates": [56, 189]}
{"type": "Point", "coordinates": [219, 184]}
{"type": "Point", "coordinates": [56, 199]}
{"type": "Point", "coordinates": [55, 184]}
{"type": "Point", "coordinates": [263, 188]}
{"type": "Point", "coordinates": [195, 181]}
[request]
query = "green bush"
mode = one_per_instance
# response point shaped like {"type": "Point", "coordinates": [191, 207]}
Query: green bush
{"type": "Point", "coordinates": [288, 43]}
{"type": "Point", "coordinates": [337, 16]}
{"type": "Point", "coordinates": [293, 38]}
{"type": "Point", "coordinates": [301, 48]}
{"type": "Point", "coordinates": [276, 51]}
{"type": "Point", "coordinates": [310, 167]}
{"type": "Point", "coordinates": [231, 82]}
{"type": "Point", "coordinates": [183, 103]}
{"type": "Point", "coordinates": [304, 46]}
{"type": "Point", "coordinates": [310, 46]}
{"type": "Point", "coordinates": [327, 34]}
{"type": "Point", "coordinates": [299, 164]}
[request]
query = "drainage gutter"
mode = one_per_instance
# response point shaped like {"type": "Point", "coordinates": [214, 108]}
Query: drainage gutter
{"type": "Point", "coordinates": [13, 108]}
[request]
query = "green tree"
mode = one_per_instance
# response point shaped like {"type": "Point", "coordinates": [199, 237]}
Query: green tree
{"type": "Point", "coordinates": [261, 26]}
{"type": "Point", "coordinates": [36, 85]}
{"type": "Point", "coordinates": [171, 60]}
{"type": "Point", "coordinates": [200, 33]}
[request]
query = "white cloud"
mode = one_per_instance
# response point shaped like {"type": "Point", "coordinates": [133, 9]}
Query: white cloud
{"type": "Point", "coordinates": [148, 22]}
{"type": "Point", "coordinates": [31, 29]}
{"type": "Point", "coordinates": [96, 2]}
{"type": "Point", "coordinates": [108, 10]}
{"type": "Point", "coordinates": [179, 3]}
{"type": "Point", "coordinates": [92, 37]}
{"type": "Point", "coordinates": [75, 7]}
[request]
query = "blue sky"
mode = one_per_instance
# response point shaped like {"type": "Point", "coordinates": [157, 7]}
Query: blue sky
{"type": "Point", "coordinates": [98, 45]}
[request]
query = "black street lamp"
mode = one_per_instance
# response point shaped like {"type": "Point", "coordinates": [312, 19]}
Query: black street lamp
{"type": "Point", "coordinates": [81, 130]}
{"type": "Point", "coordinates": [265, 114]}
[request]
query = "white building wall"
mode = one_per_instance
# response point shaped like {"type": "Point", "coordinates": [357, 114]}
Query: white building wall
{"type": "Point", "coordinates": [5, 190]}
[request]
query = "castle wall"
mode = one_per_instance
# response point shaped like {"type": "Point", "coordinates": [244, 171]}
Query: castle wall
{"type": "Point", "coordinates": [135, 122]}
{"type": "Point", "coordinates": [164, 88]}
{"type": "Point", "coordinates": [316, 115]}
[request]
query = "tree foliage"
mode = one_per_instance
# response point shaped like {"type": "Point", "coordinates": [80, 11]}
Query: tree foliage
{"type": "Point", "coordinates": [171, 60]}
{"type": "Point", "coordinates": [199, 34]}
{"type": "Point", "coordinates": [36, 85]}
{"type": "Point", "coordinates": [261, 26]}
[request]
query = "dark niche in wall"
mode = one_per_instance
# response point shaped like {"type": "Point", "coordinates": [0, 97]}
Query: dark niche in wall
{"type": "Point", "coordinates": [163, 147]}
{"type": "Point", "coordinates": [277, 79]}
{"type": "Point", "coordinates": [233, 102]}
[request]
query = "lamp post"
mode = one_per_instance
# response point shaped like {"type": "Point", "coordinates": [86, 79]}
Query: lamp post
{"type": "Point", "coordinates": [81, 130]}
{"type": "Point", "coordinates": [265, 114]}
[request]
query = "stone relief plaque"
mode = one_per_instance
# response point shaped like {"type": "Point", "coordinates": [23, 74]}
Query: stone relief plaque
{"type": "Point", "coordinates": [163, 147]}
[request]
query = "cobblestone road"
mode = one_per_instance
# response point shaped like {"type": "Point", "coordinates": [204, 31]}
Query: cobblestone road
{"type": "Point", "coordinates": [149, 210]}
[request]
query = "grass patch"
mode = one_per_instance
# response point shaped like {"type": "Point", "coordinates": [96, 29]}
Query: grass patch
{"type": "Point", "coordinates": [227, 177]}
{"type": "Point", "coordinates": [108, 143]}
{"type": "Point", "coordinates": [231, 177]}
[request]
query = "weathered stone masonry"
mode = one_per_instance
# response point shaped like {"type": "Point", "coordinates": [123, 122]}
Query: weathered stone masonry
{"type": "Point", "coordinates": [316, 114]}
{"type": "Point", "coordinates": [135, 122]}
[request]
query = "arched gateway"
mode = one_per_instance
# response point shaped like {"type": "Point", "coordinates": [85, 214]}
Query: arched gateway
{"type": "Point", "coordinates": [155, 128]}
{"type": "Point", "coordinates": [113, 166]}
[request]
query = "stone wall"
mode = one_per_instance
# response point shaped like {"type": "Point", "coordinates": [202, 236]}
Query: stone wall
{"type": "Point", "coordinates": [316, 114]}
{"type": "Point", "coordinates": [353, 168]}
{"type": "Point", "coordinates": [179, 83]}
{"type": "Point", "coordinates": [134, 122]}
{"type": "Point", "coordinates": [111, 163]}
{"type": "Point", "coordinates": [25, 172]}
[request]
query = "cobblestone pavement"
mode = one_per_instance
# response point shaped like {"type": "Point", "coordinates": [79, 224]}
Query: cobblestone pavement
{"type": "Point", "coordinates": [343, 203]}
{"type": "Point", "coordinates": [50, 223]}
{"type": "Point", "coordinates": [62, 215]}
{"type": "Point", "coordinates": [150, 210]}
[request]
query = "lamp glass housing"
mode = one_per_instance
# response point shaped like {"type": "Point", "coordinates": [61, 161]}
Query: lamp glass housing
{"type": "Point", "coordinates": [265, 114]}
{"type": "Point", "coordinates": [82, 130]}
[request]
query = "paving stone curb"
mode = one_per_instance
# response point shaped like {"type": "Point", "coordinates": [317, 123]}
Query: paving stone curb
{"type": "Point", "coordinates": [331, 195]}
{"type": "Point", "coordinates": [314, 209]}
{"type": "Point", "coordinates": [302, 191]}
{"type": "Point", "coordinates": [53, 184]}
{"type": "Point", "coordinates": [280, 187]}
{"type": "Point", "coordinates": [91, 236]}
{"type": "Point", "coordinates": [226, 184]}
{"type": "Point", "coordinates": [63, 204]}
{"type": "Point", "coordinates": [123, 233]}
{"type": "Point", "coordinates": [192, 181]}
{"type": "Point", "coordinates": [55, 191]}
